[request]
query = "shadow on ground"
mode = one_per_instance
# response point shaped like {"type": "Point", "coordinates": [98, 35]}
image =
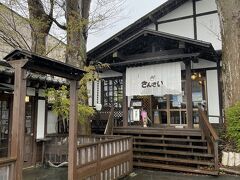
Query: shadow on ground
{"type": "Point", "coordinates": [45, 174]}
{"type": "Point", "coordinates": [139, 174]}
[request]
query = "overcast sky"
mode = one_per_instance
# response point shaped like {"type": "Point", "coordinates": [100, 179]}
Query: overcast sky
{"type": "Point", "coordinates": [134, 9]}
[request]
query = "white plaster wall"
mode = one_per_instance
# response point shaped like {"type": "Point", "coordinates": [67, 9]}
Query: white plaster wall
{"type": "Point", "coordinates": [181, 28]}
{"type": "Point", "coordinates": [51, 122]}
{"type": "Point", "coordinates": [41, 119]}
{"type": "Point", "coordinates": [208, 29]}
{"type": "Point", "coordinates": [213, 96]}
{"type": "Point", "coordinates": [184, 10]}
{"type": "Point", "coordinates": [205, 6]}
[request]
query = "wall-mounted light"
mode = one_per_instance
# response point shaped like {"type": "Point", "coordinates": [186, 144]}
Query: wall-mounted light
{"type": "Point", "coordinates": [26, 98]}
{"type": "Point", "coordinates": [194, 76]}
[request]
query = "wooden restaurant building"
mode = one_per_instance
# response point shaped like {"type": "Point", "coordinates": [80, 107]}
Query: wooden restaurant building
{"type": "Point", "coordinates": [164, 84]}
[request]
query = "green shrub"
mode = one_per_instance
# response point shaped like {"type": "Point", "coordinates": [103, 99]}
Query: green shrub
{"type": "Point", "coordinates": [233, 124]}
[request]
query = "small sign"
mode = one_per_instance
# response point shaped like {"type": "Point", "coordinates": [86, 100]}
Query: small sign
{"type": "Point", "coordinates": [136, 103]}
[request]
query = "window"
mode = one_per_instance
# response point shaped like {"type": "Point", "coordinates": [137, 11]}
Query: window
{"type": "Point", "coordinates": [113, 92]}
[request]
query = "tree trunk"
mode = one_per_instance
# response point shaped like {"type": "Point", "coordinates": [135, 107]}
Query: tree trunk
{"type": "Point", "coordinates": [40, 23]}
{"type": "Point", "coordinates": [229, 14]}
{"type": "Point", "coordinates": [77, 13]}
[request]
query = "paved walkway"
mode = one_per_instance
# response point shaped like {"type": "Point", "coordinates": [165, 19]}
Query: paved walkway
{"type": "Point", "coordinates": [61, 174]}
{"type": "Point", "coordinates": [45, 174]}
{"type": "Point", "coordinates": [159, 175]}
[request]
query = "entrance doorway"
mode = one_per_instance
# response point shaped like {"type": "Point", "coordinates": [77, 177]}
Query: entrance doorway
{"type": "Point", "coordinates": [170, 110]}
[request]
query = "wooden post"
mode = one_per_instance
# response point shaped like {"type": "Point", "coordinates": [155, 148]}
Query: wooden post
{"type": "Point", "coordinates": [188, 88]}
{"type": "Point", "coordinates": [125, 102]}
{"type": "Point", "coordinates": [73, 124]}
{"type": "Point", "coordinates": [18, 120]}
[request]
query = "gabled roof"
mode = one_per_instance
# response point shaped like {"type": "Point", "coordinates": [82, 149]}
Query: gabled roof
{"type": "Point", "coordinates": [197, 43]}
{"type": "Point", "coordinates": [146, 20]}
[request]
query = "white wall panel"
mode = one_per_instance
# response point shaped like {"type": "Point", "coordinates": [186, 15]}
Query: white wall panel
{"type": "Point", "coordinates": [184, 10]}
{"type": "Point", "coordinates": [41, 119]}
{"type": "Point", "coordinates": [51, 123]}
{"type": "Point", "coordinates": [208, 29]}
{"type": "Point", "coordinates": [205, 6]}
{"type": "Point", "coordinates": [213, 96]}
{"type": "Point", "coordinates": [181, 28]}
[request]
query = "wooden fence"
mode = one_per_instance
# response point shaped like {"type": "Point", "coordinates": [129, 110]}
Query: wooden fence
{"type": "Point", "coordinates": [98, 157]}
{"type": "Point", "coordinates": [7, 168]}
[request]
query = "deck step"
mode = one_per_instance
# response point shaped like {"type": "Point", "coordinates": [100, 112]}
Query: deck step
{"type": "Point", "coordinates": [170, 145]}
{"type": "Point", "coordinates": [176, 160]}
{"type": "Point", "coordinates": [172, 152]}
{"type": "Point", "coordinates": [175, 168]}
{"type": "Point", "coordinates": [158, 131]}
{"type": "Point", "coordinates": [169, 139]}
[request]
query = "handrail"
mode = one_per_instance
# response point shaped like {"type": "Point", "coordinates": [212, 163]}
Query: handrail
{"type": "Point", "coordinates": [204, 119]}
{"type": "Point", "coordinates": [109, 126]}
{"type": "Point", "coordinates": [102, 142]}
{"type": "Point", "coordinates": [4, 161]}
{"type": "Point", "coordinates": [210, 134]}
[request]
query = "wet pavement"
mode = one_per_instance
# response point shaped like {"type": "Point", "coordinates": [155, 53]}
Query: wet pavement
{"type": "Point", "coordinates": [159, 175]}
{"type": "Point", "coordinates": [45, 174]}
{"type": "Point", "coordinates": [61, 174]}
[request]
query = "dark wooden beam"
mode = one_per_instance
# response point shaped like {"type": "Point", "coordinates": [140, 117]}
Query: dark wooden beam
{"type": "Point", "coordinates": [154, 53]}
{"type": "Point", "coordinates": [154, 20]}
{"type": "Point", "coordinates": [188, 90]}
{"type": "Point", "coordinates": [18, 120]}
{"type": "Point", "coordinates": [194, 19]}
{"type": "Point", "coordinates": [73, 124]}
{"type": "Point", "coordinates": [125, 102]}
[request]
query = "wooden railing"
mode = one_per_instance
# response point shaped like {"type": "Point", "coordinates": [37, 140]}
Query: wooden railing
{"type": "Point", "coordinates": [210, 135]}
{"type": "Point", "coordinates": [109, 126]}
{"type": "Point", "coordinates": [98, 157]}
{"type": "Point", "coordinates": [7, 168]}
{"type": "Point", "coordinates": [106, 159]}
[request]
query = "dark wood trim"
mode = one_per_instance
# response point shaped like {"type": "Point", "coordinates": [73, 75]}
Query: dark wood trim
{"type": "Point", "coordinates": [194, 19]}
{"type": "Point", "coordinates": [188, 88]}
{"type": "Point", "coordinates": [156, 26]}
{"type": "Point", "coordinates": [125, 102]}
{"type": "Point", "coordinates": [187, 17]}
{"type": "Point", "coordinates": [34, 121]}
{"type": "Point", "coordinates": [168, 111]}
{"type": "Point", "coordinates": [220, 94]}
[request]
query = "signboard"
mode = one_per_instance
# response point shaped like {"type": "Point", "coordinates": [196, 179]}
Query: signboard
{"type": "Point", "coordinates": [157, 80]}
